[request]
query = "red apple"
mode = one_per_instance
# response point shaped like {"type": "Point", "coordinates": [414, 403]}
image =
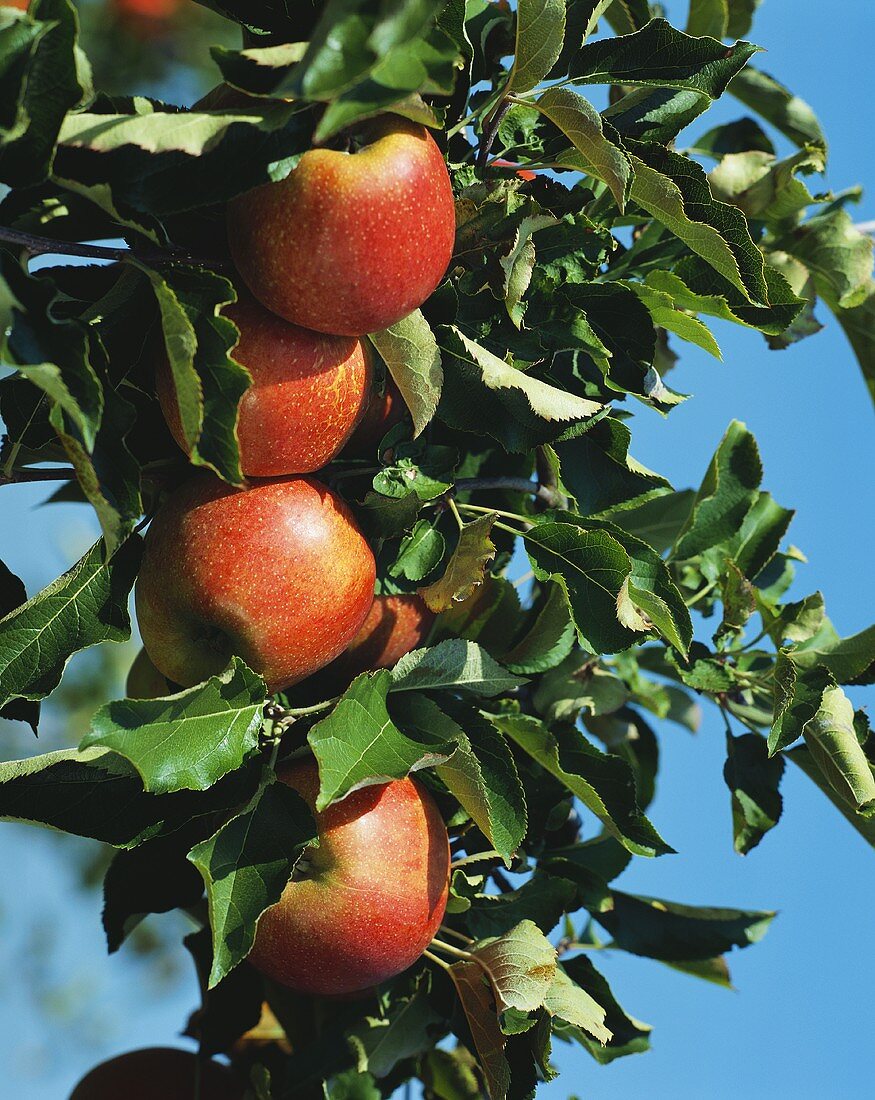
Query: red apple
{"type": "Point", "coordinates": [349, 242]}
{"type": "Point", "coordinates": [158, 10]}
{"type": "Point", "coordinates": [277, 573]}
{"type": "Point", "coordinates": [394, 626]}
{"type": "Point", "coordinates": [159, 1072]}
{"type": "Point", "coordinates": [384, 411]}
{"type": "Point", "coordinates": [523, 173]}
{"type": "Point", "coordinates": [372, 896]}
{"type": "Point", "coordinates": [144, 680]}
{"type": "Point", "coordinates": [22, 5]}
{"type": "Point", "coordinates": [308, 393]}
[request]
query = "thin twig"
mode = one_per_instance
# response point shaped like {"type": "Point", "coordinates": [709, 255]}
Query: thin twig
{"type": "Point", "coordinates": [287, 716]}
{"type": "Point", "coordinates": [455, 511]}
{"type": "Point", "coordinates": [49, 473]}
{"type": "Point", "coordinates": [46, 246]}
{"type": "Point", "coordinates": [490, 129]}
{"type": "Point", "coordinates": [513, 484]}
{"type": "Point", "coordinates": [450, 950]}
{"type": "Point", "coordinates": [433, 958]}
{"type": "Point", "coordinates": [447, 931]}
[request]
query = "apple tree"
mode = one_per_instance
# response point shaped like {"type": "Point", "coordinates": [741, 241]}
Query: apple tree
{"type": "Point", "coordinates": [551, 601]}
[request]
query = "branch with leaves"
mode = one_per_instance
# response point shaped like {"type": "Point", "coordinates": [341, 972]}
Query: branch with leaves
{"type": "Point", "coordinates": [529, 710]}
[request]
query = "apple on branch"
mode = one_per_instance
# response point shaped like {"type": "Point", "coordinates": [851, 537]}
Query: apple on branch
{"type": "Point", "coordinates": [167, 1072]}
{"type": "Point", "coordinates": [369, 898]}
{"type": "Point", "coordinates": [309, 391]}
{"type": "Point", "coordinates": [276, 572]}
{"type": "Point", "coordinates": [350, 241]}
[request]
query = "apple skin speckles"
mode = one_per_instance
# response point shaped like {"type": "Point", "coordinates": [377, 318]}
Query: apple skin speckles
{"type": "Point", "coordinates": [373, 896]}
{"type": "Point", "coordinates": [349, 243]}
{"type": "Point", "coordinates": [309, 392]}
{"type": "Point", "coordinates": [276, 572]}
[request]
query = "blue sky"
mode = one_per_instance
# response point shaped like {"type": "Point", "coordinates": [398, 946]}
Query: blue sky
{"type": "Point", "coordinates": [793, 1027]}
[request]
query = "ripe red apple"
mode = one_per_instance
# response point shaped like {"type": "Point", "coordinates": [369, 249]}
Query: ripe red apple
{"type": "Point", "coordinates": [148, 9]}
{"type": "Point", "coordinates": [159, 1072]}
{"type": "Point", "coordinates": [277, 573]}
{"type": "Point", "coordinates": [349, 242]}
{"type": "Point", "coordinates": [308, 393]}
{"type": "Point", "coordinates": [384, 411]}
{"type": "Point", "coordinates": [145, 681]}
{"type": "Point", "coordinates": [394, 625]}
{"type": "Point", "coordinates": [22, 5]}
{"type": "Point", "coordinates": [372, 896]}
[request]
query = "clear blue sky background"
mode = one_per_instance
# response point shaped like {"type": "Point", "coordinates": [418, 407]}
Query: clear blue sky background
{"type": "Point", "coordinates": [797, 1024]}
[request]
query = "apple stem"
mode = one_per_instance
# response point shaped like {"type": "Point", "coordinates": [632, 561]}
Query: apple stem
{"type": "Point", "coordinates": [450, 950]}
{"type": "Point", "coordinates": [433, 958]}
{"type": "Point", "coordinates": [47, 246]}
{"type": "Point", "coordinates": [447, 931]}
{"type": "Point", "coordinates": [455, 511]}
{"type": "Point", "coordinates": [286, 716]}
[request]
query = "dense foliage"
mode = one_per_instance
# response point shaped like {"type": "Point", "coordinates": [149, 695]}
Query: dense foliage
{"type": "Point", "coordinates": [531, 712]}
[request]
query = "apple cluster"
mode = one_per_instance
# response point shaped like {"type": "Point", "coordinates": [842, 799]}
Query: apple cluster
{"type": "Point", "coordinates": [277, 571]}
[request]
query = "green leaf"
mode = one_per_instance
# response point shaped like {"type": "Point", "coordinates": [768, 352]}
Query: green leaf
{"type": "Point", "coordinates": [449, 1074]}
{"type": "Point", "coordinates": [351, 1085]}
{"type": "Point", "coordinates": [43, 77]}
{"type": "Point", "coordinates": [662, 309]}
{"type": "Point", "coordinates": [540, 30]}
{"type": "Point", "coordinates": [754, 779]}
{"type": "Point", "coordinates": [865, 825]}
{"type": "Point", "coordinates": [798, 693]}
{"type": "Point", "coordinates": [777, 105]}
{"type": "Point", "coordinates": [708, 17]}
{"type": "Point", "coordinates": [478, 1004]}
{"type": "Point", "coordinates": [246, 865]}
{"type": "Point", "coordinates": [358, 744]}
{"type": "Point", "coordinates": [674, 190]}
{"type": "Point", "coordinates": [601, 474]}
{"type": "Point", "coordinates": [421, 551]}
{"type": "Point", "coordinates": [198, 342]}
{"type": "Point", "coordinates": [741, 13]}
{"type": "Point", "coordinates": [591, 567]}
{"type": "Point", "coordinates": [465, 570]}
{"type": "Point", "coordinates": [410, 1027]}
{"type": "Point", "coordinates": [154, 877]}
{"type": "Point", "coordinates": [482, 393]}
{"type": "Point", "coordinates": [576, 1007]}
{"type": "Point", "coordinates": [650, 589]}
{"type": "Point", "coordinates": [660, 56]}
{"type": "Point", "coordinates": [628, 1035]}
{"type": "Point", "coordinates": [699, 288]}
{"type": "Point", "coordinates": [190, 740]}
{"type": "Point", "coordinates": [672, 932]}
{"type": "Point", "coordinates": [549, 638]}
{"type": "Point", "coordinates": [457, 664]}
{"type": "Point", "coordinates": [410, 351]}
{"type": "Point", "coordinates": [709, 970]}
{"type": "Point", "coordinates": [849, 660]}
{"type": "Point", "coordinates": [833, 744]}
{"type": "Point", "coordinates": [480, 773]}
{"type": "Point", "coordinates": [520, 966]}
{"type": "Point", "coordinates": [858, 323]}
{"type": "Point", "coordinates": [837, 255]}
{"type": "Point", "coordinates": [725, 496]}
{"type": "Point", "coordinates": [542, 898]}
{"type": "Point", "coordinates": [604, 783]}
{"type": "Point", "coordinates": [86, 605]}
{"type": "Point", "coordinates": [95, 793]}
{"type": "Point", "coordinates": [578, 683]}
{"type": "Point", "coordinates": [597, 154]}
{"type": "Point", "coordinates": [160, 162]}
{"type": "Point", "coordinates": [656, 522]}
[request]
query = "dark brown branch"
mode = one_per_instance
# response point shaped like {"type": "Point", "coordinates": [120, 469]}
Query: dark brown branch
{"type": "Point", "coordinates": [45, 246]}
{"type": "Point", "coordinates": [490, 129]}
{"type": "Point", "coordinates": [513, 484]}
{"type": "Point", "coordinates": [51, 473]}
